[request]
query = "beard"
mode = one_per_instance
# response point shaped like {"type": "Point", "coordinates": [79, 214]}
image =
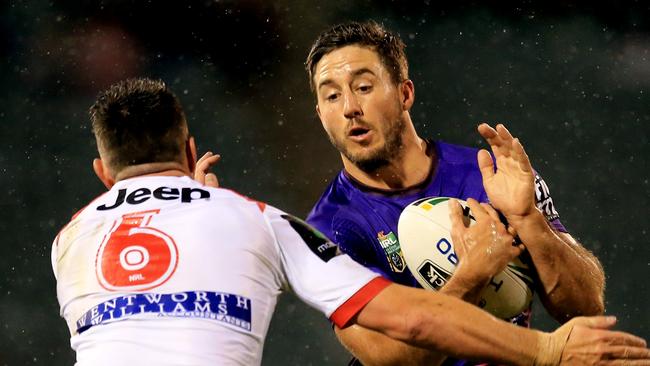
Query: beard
{"type": "Point", "coordinates": [373, 160]}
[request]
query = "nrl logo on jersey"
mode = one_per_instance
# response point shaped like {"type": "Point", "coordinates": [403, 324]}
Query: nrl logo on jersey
{"type": "Point", "coordinates": [393, 251]}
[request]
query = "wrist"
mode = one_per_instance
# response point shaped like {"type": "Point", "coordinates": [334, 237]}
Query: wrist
{"type": "Point", "coordinates": [549, 349]}
{"type": "Point", "coordinates": [465, 285]}
{"type": "Point", "coordinates": [534, 218]}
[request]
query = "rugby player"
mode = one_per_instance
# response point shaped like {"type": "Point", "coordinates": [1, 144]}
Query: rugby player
{"type": "Point", "coordinates": [359, 75]}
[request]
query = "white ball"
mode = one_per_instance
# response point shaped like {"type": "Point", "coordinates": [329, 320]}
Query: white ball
{"type": "Point", "coordinates": [424, 233]}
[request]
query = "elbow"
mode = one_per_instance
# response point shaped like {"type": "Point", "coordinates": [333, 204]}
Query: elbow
{"type": "Point", "coordinates": [596, 305]}
{"type": "Point", "coordinates": [593, 302]}
{"type": "Point", "coordinates": [588, 305]}
{"type": "Point", "coordinates": [417, 326]}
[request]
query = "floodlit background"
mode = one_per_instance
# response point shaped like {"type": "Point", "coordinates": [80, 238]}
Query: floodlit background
{"type": "Point", "coordinates": [571, 79]}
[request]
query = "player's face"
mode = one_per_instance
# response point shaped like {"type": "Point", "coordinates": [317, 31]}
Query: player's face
{"type": "Point", "coordinates": [359, 106]}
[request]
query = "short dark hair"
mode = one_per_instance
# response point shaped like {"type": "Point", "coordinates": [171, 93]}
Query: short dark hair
{"type": "Point", "coordinates": [388, 46]}
{"type": "Point", "coordinates": [138, 121]}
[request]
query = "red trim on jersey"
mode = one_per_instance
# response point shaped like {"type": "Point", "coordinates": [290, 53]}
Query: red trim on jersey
{"type": "Point", "coordinates": [86, 206]}
{"type": "Point", "coordinates": [260, 205]}
{"type": "Point", "coordinates": [356, 302]}
{"type": "Point", "coordinates": [75, 216]}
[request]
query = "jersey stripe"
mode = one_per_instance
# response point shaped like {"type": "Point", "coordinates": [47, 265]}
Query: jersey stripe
{"type": "Point", "coordinates": [356, 302]}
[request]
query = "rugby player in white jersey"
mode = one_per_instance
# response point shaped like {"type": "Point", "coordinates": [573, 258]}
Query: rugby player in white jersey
{"type": "Point", "coordinates": [162, 270]}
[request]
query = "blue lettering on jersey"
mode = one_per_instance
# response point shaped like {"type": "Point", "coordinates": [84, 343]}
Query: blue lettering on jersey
{"type": "Point", "coordinates": [220, 306]}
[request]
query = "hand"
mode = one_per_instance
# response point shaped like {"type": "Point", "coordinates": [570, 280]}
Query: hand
{"type": "Point", "coordinates": [588, 341]}
{"type": "Point", "coordinates": [202, 172]}
{"type": "Point", "coordinates": [511, 189]}
{"type": "Point", "coordinates": [483, 249]}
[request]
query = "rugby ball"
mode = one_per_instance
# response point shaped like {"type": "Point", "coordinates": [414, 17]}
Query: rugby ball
{"type": "Point", "coordinates": [424, 233]}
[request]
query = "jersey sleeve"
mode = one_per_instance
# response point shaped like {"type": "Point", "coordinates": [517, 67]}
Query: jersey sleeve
{"type": "Point", "coordinates": [319, 273]}
{"type": "Point", "coordinates": [544, 203]}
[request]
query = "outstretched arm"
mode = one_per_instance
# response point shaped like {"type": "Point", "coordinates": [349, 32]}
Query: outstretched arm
{"type": "Point", "coordinates": [572, 279]}
{"type": "Point", "coordinates": [433, 320]}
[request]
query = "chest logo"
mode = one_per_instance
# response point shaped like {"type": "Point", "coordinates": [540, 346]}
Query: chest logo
{"type": "Point", "coordinates": [392, 250]}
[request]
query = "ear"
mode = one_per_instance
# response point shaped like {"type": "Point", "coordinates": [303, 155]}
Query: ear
{"type": "Point", "coordinates": [408, 94]}
{"type": "Point", "coordinates": [103, 173]}
{"type": "Point", "coordinates": [190, 153]}
{"type": "Point", "coordinates": [318, 110]}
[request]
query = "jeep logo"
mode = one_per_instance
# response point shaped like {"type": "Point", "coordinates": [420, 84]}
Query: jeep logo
{"type": "Point", "coordinates": [161, 193]}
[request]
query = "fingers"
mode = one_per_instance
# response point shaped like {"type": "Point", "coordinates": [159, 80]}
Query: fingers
{"type": "Point", "coordinates": [487, 131]}
{"type": "Point", "coordinates": [503, 132]}
{"type": "Point", "coordinates": [202, 172]}
{"type": "Point", "coordinates": [622, 339]}
{"type": "Point", "coordinates": [598, 322]}
{"type": "Point", "coordinates": [478, 211]}
{"type": "Point", "coordinates": [499, 139]}
{"type": "Point", "coordinates": [627, 362]}
{"type": "Point", "coordinates": [520, 155]}
{"type": "Point", "coordinates": [494, 215]}
{"type": "Point", "coordinates": [456, 215]}
{"type": "Point", "coordinates": [207, 161]}
{"type": "Point", "coordinates": [457, 227]}
{"type": "Point", "coordinates": [485, 164]}
{"type": "Point", "coordinates": [211, 180]}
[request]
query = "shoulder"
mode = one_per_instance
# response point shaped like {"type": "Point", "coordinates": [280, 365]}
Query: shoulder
{"type": "Point", "coordinates": [456, 154]}
{"type": "Point", "coordinates": [336, 199]}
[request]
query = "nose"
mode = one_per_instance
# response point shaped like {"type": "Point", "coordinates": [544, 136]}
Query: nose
{"type": "Point", "coordinates": [351, 106]}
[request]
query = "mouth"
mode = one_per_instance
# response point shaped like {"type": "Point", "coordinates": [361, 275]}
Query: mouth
{"type": "Point", "coordinates": [358, 133]}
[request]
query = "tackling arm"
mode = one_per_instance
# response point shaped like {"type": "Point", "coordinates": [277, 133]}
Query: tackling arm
{"type": "Point", "coordinates": [449, 325]}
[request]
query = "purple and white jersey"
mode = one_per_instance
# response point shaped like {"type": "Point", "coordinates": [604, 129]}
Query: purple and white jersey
{"type": "Point", "coordinates": [363, 220]}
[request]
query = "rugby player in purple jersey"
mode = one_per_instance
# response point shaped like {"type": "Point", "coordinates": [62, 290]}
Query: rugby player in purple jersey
{"type": "Point", "coordinates": [359, 75]}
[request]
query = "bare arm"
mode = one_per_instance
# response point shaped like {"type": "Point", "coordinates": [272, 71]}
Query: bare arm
{"type": "Point", "coordinates": [572, 279]}
{"type": "Point", "coordinates": [449, 325]}
{"type": "Point", "coordinates": [373, 348]}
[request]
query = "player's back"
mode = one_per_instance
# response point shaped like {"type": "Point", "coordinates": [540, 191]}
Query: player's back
{"type": "Point", "coordinates": [167, 271]}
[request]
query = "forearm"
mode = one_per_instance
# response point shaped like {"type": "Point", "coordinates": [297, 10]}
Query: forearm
{"type": "Point", "coordinates": [376, 349]}
{"type": "Point", "coordinates": [572, 280]}
{"type": "Point", "coordinates": [449, 325]}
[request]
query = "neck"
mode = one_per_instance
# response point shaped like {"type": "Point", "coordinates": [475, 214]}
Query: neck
{"type": "Point", "coordinates": [171, 168]}
{"type": "Point", "coordinates": [409, 168]}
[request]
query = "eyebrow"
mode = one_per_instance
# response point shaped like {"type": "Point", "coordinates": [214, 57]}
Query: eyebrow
{"type": "Point", "coordinates": [355, 73]}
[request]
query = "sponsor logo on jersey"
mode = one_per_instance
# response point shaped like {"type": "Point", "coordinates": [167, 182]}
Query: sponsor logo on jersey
{"type": "Point", "coordinates": [392, 250]}
{"type": "Point", "coordinates": [223, 307]}
{"type": "Point", "coordinates": [544, 200]}
{"type": "Point", "coordinates": [137, 196]}
{"type": "Point", "coordinates": [315, 240]}
{"type": "Point", "coordinates": [435, 275]}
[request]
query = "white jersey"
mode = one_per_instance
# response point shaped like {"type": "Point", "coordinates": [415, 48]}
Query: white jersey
{"type": "Point", "coordinates": [169, 272]}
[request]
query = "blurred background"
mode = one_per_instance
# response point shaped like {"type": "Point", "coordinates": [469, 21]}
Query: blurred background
{"type": "Point", "coordinates": [570, 78]}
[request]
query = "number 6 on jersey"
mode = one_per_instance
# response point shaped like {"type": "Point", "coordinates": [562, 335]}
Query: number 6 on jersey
{"type": "Point", "coordinates": [135, 256]}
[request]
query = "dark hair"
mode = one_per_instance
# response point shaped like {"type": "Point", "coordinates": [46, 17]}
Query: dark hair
{"type": "Point", "coordinates": [138, 121]}
{"type": "Point", "coordinates": [370, 34]}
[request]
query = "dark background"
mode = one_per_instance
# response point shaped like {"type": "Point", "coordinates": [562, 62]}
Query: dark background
{"type": "Point", "coordinates": [570, 78]}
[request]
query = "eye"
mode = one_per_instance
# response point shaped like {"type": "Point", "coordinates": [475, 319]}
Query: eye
{"type": "Point", "coordinates": [332, 97]}
{"type": "Point", "coordinates": [364, 88]}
